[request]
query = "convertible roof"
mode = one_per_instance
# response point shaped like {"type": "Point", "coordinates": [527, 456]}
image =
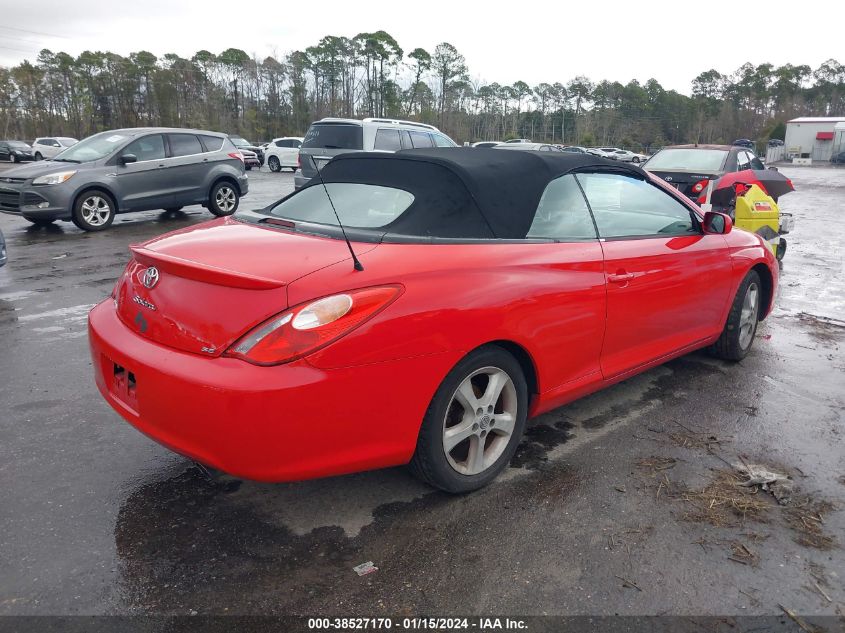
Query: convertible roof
{"type": "Point", "coordinates": [463, 192]}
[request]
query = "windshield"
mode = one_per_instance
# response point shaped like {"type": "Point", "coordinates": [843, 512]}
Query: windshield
{"type": "Point", "coordinates": [688, 159]}
{"type": "Point", "coordinates": [334, 136]}
{"type": "Point", "coordinates": [92, 148]}
{"type": "Point", "coordinates": [358, 205]}
{"type": "Point", "coordinates": [240, 142]}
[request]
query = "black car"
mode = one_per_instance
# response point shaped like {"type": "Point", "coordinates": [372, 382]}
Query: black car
{"type": "Point", "coordinates": [689, 168]}
{"type": "Point", "coordinates": [16, 151]}
{"type": "Point", "coordinates": [241, 143]}
{"type": "Point", "coordinates": [744, 142]}
{"type": "Point", "coordinates": [775, 142]}
{"type": "Point", "coordinates": [838, 158]}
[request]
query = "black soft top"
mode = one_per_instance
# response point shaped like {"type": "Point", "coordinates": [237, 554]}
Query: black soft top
{"type": "Point", "coordinates": [462, 192]}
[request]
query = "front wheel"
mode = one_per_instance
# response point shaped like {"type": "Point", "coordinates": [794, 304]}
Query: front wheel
{"type": "Point", "coordinates": [223, 199]}
{"type": "Point", "coordinates": [38, 156]}
{"type": "Point", "coordinates": [474, 422]}
{"type": "Point", "coordinates": [94, 211]}
{"type": "Point", "coordinates": [635, 160]}
{"type": "Point", "coordinates": [738, 335]}
{"type": "Point", "coordinates": [781, 250]}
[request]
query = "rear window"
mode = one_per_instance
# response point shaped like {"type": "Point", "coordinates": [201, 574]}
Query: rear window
{"type": "Point", "coordinates": [688, 159]}
{"type": "Point", "coordinates": [358, 205]}
{"type": "Point", "coordinates": [388, 140]}
{"type": "Point", "coordinates": [334, 136]}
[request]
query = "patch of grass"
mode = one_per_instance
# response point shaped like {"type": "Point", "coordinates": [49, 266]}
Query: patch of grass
{"type": "Point", "coordinates": [723, 502]}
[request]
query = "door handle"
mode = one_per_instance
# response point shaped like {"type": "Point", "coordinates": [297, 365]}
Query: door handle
{"type": "Point", "coordinates": [621, 277]}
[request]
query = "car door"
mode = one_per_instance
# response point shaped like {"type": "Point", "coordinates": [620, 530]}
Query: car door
{"type": "Point", "coordinates": [570, 326]}
{"type": "Point", "coordinates": [185, 168]}
{"type": "Point", "coordinates": [666, 279]}
{"type": "Point", "coordinates": [4, 151]}
{"type": "Point", "coordinates": [142, 185]}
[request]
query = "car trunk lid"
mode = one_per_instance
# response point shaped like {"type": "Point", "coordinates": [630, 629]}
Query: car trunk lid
{"type": "Point", "coordinates": [199, 289]}
{"type": "Point", "coordinates": [683, 181]}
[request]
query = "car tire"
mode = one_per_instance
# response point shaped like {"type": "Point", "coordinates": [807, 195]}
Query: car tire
{"type": "Point", "coordinates": [94, 210]}
{"type": "Point", "coordinates": [274, 164]}
{"type": "Point", "coordinates": [248, 167]}
{"type": "Point", "coordinates": [40, 222]}
{"type": "Point", "coordinates": [223, 199]}
{"type": "Point", "coordinates": [467, 406]}
{"type": "Point", "coordinates": [38, 156]}
{"type": "Point", "coordinates": [737, 337]}
{"type": "Point", "coordinates": [14, 158]}
{"type": "Point", "coordinates": [635, 160]}
{"type": "Point", "coordinates": [781, 250]}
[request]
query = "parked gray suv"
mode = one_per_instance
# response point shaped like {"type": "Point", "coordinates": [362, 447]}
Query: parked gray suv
{"type": "Point", "coordinates": [121, 171]}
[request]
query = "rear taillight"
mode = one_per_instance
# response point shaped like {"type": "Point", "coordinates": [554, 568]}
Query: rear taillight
{"type": "Point", "coordinates": [306, 328]}
{"type": "Point", "coordinates": [700, 186]}
{"type": "Point", "coordinates": [237, 155]}
{"type": "Point", "coordinates": [298, 161]}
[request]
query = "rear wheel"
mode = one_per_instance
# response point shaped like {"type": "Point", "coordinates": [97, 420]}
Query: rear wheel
{"type": "Point", "coordinates": [223, 199]}
{"type": "Point", "coordinates": [781, 249]}
{"type": "Point", "coordinates": [635, 160]}
{"type": "Point", "coordinates": [474, 422]}
{"type": "Point", "coordinates": [38, 156]}
{"type": "Point", "coordinates": [274, 164]}
{"type": "Point", "coordinates": [94, 211]}
{"type": "Point", "coordinates": [738, 335]}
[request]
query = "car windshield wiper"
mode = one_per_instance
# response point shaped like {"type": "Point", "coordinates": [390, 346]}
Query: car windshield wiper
{"type": "Point", "coordinates": [66, 160]}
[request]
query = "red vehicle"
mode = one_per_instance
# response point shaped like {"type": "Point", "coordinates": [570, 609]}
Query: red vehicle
{"type": "Point", "coordinates": [487, 287]}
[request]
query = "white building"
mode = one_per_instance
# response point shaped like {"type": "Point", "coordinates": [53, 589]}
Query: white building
{"type": "Point", "coordinates": [814, 137]}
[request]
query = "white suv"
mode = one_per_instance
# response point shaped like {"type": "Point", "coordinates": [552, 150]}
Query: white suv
{"type": "Point", "coordinates": [327, 138]}
{"type": "Point", "coordinates": [283, 152]}
{"type": "Point", "coordinates": [49, 146]}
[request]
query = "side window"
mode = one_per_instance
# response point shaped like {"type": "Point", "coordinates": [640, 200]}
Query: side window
{"type": "Point", "coordinates": [184, 145]}
{"type": "Point", "coordinates": [212, 143]}
{"type": "Point", "coordinates": [624, 206]}
{"type": "Point", "coordinates": [742, 161]}
{"type": "Point", "coordinates": [388, 140]}
{"type": "Point", "coordinates": [146, 148]}
{"type": "Point", "coordinates": [756, 163]}
{"type": "Point", "coordinates": [545, 148]}
{"type": "Point", "coordinates": [421, 139]}
{"type": "Point", "coordinates": [406, 139]}
{"type": "Point", "coordinates": [563, 213]}
{"type": "Point", "coordinates": [442, 141]}
{"type": "Point", "coordinates": [295, 143]}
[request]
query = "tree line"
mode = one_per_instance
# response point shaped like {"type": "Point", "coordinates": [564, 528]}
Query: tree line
{"type": "Point", "coordinates": [372, 75]}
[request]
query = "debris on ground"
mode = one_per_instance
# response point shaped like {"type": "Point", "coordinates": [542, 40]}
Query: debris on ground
{"type": "Point", "coordinates": [657, 463]}
{"type": "Point", "coordinates": [779, 485]}
{"type": "Point", "coordinates": [792, 616]}
{"type": "Point", "coordinates": [365, 568]}
{"type": "Point", "coordinates": [723, 502]}
{"type": "Point", "coordinates": [741, 554]}
{"type": "Point", "coordinates": [628, 583]}
{"type": "Point", "coordinates": [806, 517]}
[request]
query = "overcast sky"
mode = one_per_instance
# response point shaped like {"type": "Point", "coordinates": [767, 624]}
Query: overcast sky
{"type": "Point", "coordinates": [502, 41]}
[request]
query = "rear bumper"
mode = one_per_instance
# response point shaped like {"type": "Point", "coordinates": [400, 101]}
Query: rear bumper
{"type": "Point", "coordinates": [243, 184]}
{"type": "Point", "coordinates": [282, 423]}
{"type": "Point", "coordinates": [299, 180]}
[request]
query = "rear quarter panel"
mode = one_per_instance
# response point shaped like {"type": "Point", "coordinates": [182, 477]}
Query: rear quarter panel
{"type": "Point", "coordinates": [547, 298]}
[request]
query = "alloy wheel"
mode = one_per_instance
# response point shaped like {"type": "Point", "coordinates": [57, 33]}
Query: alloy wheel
{"type": "Point", "coordinates": [225, 199]}
{"type": "Point", "coordinates": [748, 315]}
{"type": "Point", "coordinates": [479, 420]}
{"type": "Point", "coordinates": [96, 210]}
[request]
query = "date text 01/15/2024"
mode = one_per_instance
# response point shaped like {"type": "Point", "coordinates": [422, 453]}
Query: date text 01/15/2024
{"type": "Point", "coordinates": [416, 624]}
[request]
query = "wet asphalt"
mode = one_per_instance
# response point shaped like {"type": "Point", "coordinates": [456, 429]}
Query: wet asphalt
{"type": "Point", "coordinates": [97, 519]}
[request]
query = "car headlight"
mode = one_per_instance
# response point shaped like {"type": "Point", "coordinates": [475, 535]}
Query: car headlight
{"type": "Point", "coordinates": [54, 179]}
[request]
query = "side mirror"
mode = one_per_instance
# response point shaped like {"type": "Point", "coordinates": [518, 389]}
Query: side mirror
{"type": "Point", "coordinates": [717, 223]}
{"type": "Point", "coordinates": [128, 158]}
{"type": "Point", "coordinates": [772, 168]}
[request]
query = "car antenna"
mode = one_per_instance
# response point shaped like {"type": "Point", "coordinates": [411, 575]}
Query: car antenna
{"type": "Point", "coordinates": [356, 262]}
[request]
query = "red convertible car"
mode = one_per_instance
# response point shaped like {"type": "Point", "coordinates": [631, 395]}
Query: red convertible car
{"type": "Point", "coordinates": [486, 287]}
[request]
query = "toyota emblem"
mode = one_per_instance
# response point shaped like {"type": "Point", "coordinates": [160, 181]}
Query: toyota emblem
{"type": "Point", "coordinates": [668, 178]}
{"type": "Point", "coordinates": [150, 278]}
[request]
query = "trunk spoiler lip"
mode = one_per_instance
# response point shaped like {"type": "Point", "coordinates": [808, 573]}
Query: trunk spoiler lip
{"type": "Point", "coordinates": [203, 272]}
